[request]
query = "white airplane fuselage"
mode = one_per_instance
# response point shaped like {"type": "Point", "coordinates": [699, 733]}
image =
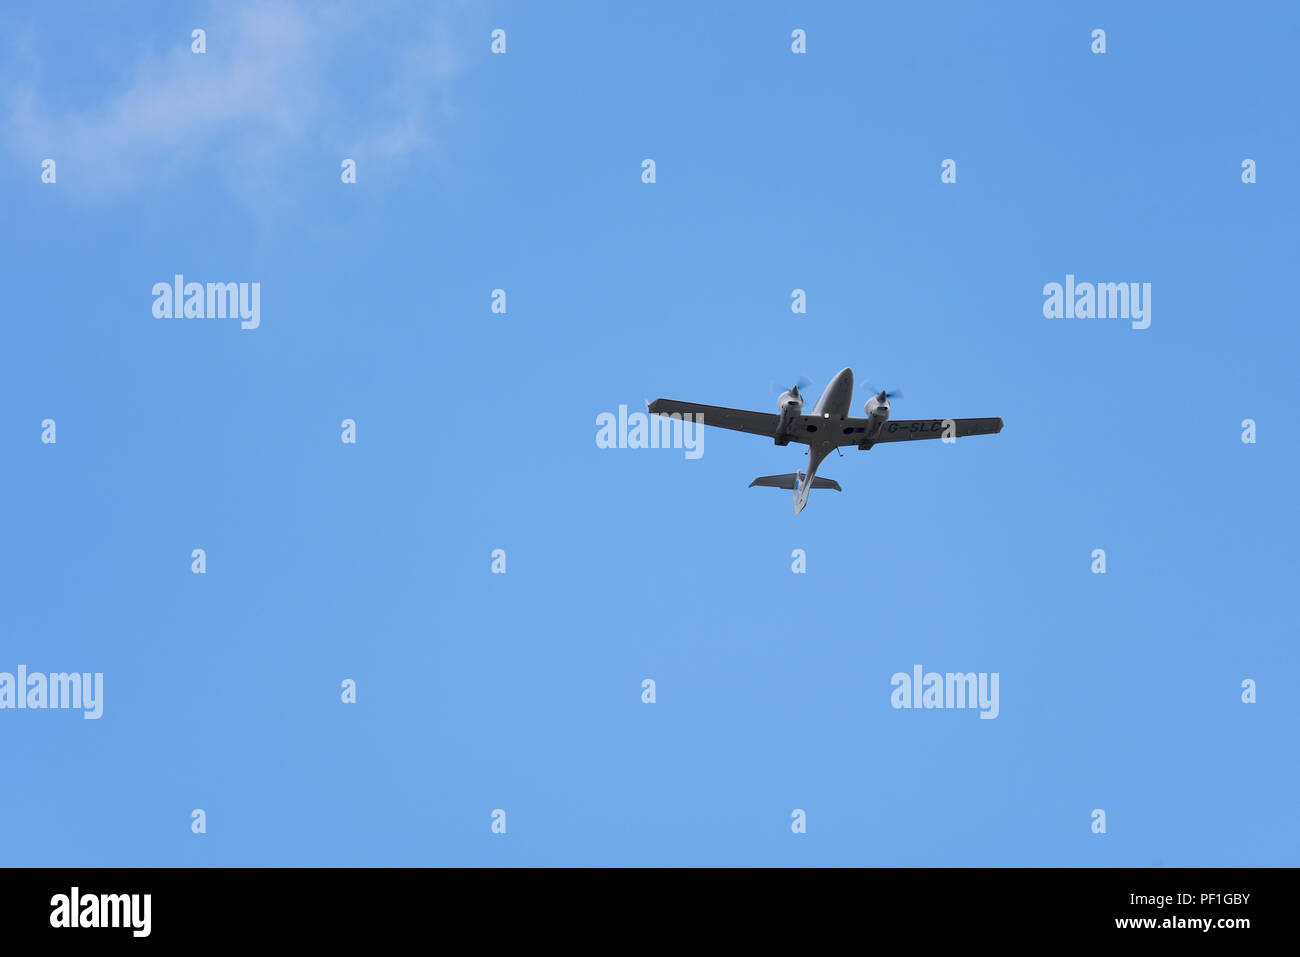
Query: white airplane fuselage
{"type": "Point", "coordinates": [834, 407]}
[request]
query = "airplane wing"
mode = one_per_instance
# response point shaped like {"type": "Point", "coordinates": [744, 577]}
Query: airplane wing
{"type": "Point", "coordinates": [738, 420]}
{"type": "Point", "coordinates": [906, 430]}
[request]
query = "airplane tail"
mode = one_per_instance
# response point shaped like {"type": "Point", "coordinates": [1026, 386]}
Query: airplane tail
{"type": "Point", "coordinates": [791, 480]}
{"type": "Point", "coordinates": [798, 482]}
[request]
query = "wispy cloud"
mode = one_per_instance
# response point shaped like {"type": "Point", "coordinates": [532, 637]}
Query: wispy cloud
{"type": "Point", "coordinates": [274, 80]}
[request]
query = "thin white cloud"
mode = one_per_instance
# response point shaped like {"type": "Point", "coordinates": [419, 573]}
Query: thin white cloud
{"type": "Point", "coordinates": [274, 79]}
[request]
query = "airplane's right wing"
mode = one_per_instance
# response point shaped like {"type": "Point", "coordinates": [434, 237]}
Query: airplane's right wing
{"type": "Point", "coordinates": [738, 420]}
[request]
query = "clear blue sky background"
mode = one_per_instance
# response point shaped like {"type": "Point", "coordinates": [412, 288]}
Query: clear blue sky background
{"type": "Point", "coordinates": [477, 431]}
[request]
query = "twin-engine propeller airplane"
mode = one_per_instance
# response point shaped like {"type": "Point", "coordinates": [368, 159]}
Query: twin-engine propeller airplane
{"type": "Point", "coordinates": [828, 427]}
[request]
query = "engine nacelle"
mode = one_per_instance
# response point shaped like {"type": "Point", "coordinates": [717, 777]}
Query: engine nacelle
{"type": "Point", "coordinates": [877, 412]}
{"type": "Point", "coordinates": [791, 406]}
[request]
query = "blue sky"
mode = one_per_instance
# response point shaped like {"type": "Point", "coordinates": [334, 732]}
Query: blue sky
{"type": "Point", "coordinates": [476, 431]}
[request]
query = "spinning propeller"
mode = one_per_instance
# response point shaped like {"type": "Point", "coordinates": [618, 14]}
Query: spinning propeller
{"type": "Point", "coordinates": [881, 393]}
{"type": "Point", "coordinates": [803, 383]}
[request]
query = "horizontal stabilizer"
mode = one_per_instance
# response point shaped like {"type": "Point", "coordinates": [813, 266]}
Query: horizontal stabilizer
{"type": "Point", "coordinates": [788, 481]}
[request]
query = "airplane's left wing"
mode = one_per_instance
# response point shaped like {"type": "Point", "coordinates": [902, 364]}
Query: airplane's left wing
{"type": "Point", "coordinates": [908, 430]}
{"type": "Point", "coordinates": [738, 420]}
